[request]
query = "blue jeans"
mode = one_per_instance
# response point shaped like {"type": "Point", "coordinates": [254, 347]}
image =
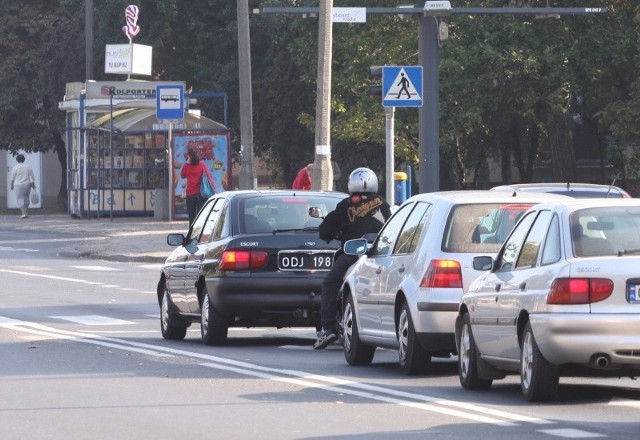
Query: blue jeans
{"type": "Point", "coordinates": [331, 287]}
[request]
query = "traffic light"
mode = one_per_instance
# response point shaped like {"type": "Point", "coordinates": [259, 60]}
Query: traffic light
{"type": "Point", "coordinates": [376, 71]}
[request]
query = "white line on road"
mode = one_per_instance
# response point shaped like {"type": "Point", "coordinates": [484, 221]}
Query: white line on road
{"type": "Point", "coordinates": [51, 277]}
{"type": "Point", "coordinates": [418, 401]}
{"type": "Point", "coordinates": [97, 268]}
{"type": "Point", "coordinates": [571, 433]}
{"type": "Point", "coordinates": [93, 320]}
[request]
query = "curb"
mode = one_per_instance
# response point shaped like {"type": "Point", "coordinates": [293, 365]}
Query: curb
{"type": "Point", "coordinates": [114, 257]}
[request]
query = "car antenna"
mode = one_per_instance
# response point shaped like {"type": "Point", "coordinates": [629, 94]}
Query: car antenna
{"type": "Point", "coordinates": [610, 188]}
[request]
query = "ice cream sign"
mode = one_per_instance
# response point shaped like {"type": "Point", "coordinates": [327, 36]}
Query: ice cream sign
{"type": "Point", "coordinates": [128, 58]}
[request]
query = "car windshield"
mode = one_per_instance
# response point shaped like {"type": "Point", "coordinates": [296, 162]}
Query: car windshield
{"type": "Point", "coordinates": [481, 227]}
{"type": "Point", "coordinates": [605, 231]}
{"type": "Point", "coordinates": [266, 213]}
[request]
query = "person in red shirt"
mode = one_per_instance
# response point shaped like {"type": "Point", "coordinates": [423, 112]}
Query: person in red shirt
{"type": "Point", "coordinates": [193, 170]}
{"type": "Point", "coordinates": [303, 178]}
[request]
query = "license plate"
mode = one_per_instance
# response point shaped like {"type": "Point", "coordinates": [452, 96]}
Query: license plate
{"type": "Point", "coordinates": [633, 293]}
{"type": "Point", "coordinates": [305, 260]}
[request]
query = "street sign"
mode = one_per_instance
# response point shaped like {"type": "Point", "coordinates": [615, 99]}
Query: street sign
{"type": "Point", "coordinates": [402, 86]}
{"type": "Point", "coordinates": [170, 102]}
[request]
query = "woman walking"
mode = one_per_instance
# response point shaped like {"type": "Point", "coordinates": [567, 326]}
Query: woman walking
{"type": "Point", "coordinates": [23, 182]}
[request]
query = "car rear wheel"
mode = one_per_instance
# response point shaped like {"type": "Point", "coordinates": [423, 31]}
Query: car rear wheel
{"type": "Point", "coordinates": [355, 352]}
{"type": "Point", "coordinates": [468, 359]}
{"type": "Point", "coordinates": [168, 320]}
{"type": "Point", "coordinates": [539, 378]}
{"type": "Point", "coordinates": [414, 359]}
{"type": "Point", "coordinates": [213, 327]}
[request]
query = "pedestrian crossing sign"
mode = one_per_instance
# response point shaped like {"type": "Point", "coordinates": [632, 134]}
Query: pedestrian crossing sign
{"type": "Point", "coordinates": [402, 86]}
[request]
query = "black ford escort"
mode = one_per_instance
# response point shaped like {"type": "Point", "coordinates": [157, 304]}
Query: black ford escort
{"type": "Point", "coordinates": [250, 259]}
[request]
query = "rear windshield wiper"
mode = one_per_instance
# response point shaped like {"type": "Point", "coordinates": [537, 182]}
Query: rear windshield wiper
{"type": "Point", "coordinates": [306, 229]}
{"type": "Point", "coordinates": [628, 252]}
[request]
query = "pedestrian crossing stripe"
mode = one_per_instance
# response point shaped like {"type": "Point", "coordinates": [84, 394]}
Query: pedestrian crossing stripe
{"type": "Point", "coordinates": [402, 86]}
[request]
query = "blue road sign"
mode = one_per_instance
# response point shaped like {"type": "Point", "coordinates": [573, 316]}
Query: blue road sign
{"type": "Point", "coordinates": [402, 86]}
{"type": "Point", "coordinates": [170, 102]}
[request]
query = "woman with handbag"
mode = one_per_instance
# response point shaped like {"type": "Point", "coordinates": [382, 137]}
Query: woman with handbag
{"type": "Point", "coordinates": [194, 171]}
{"type": "Point", "coordinates": [23, 181]}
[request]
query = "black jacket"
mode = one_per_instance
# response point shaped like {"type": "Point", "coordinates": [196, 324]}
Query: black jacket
{"type": "Point", "coordinates": [355, 216]}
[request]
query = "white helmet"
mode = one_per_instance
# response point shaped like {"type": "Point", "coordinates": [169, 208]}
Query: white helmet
{"type": "Point", "coordinates": [362, 180]}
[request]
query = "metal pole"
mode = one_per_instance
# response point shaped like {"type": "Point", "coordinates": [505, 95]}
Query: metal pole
{"type": "Point", "coordinates": [170, 189]}
{"type": "Point", "coordinates": [111, 180]}
{"type": "Point", "coordinates": [390, 147]}
{"type": "Point", "coordinates": [88, 39]}
{"type": "Point", "coordinates": [429, 122]}
{"type": "Point", "coordinates": [247, 178]}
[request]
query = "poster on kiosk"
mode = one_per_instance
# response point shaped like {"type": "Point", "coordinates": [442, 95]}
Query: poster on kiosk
{"type": "Point", "coordinates": [213, 149]}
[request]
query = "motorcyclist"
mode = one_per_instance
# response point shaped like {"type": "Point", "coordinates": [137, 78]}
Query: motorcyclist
{"type": "Point", "coordinates": [363, 212]}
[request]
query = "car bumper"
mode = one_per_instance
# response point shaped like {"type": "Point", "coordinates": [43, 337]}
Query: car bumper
{"type": "Point", "coordinates": [435, 326]}
{"type": "Point", "coordinates": [278, 302]}
{"type": "Point", "coordinates": [583, 338]}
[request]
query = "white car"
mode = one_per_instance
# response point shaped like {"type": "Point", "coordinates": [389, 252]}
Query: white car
{"type": "Point", "coordinates": [562, 297]}
{"type": "Point", "coordinates": [403, 292]}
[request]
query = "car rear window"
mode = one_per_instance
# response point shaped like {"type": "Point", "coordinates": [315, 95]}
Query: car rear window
{"type": "Point", "coordinates": [481, 227]}
{"type": "Point", "coordinates": [265, 213]}
{"type": "Point", "coordinates": [605, 231]}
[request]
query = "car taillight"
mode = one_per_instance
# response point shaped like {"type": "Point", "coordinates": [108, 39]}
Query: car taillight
{"type": "Point", "coordinates": [243, 260]}
{"type": "Point", "coordinates": [579, 290]}
{"type": "Point", "coordinates": [442, 273]}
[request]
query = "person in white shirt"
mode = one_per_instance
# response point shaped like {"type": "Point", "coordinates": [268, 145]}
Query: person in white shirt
{"type": "Point", "coordinates": [22, 180]}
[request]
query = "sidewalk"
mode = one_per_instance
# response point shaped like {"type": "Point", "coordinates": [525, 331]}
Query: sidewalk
{"type": "Point", "coordinates": [139, 239]}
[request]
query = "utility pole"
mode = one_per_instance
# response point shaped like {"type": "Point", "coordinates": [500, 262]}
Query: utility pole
{"type": "Point", "coordinates": [88, 40]}
{"type": "Point", "coordinates": [247, 178]}
{"type": "Point", "coordinates": [322, 175]}
{"type": "Point", "coordinates": [429, 14]}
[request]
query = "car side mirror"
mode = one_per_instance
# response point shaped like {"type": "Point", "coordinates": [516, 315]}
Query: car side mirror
{"type": "Point", "coordinates": [483, 262]}
{"type": "Point", "coordinates": [175, 239]}
{"type": "Point", "coordinates": [315, 212]}
{"type": "Point", "coordinates": [357, 246]}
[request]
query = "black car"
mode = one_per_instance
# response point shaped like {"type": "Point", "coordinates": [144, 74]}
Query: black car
{"type": "Point", "coordinates": [250, 259]}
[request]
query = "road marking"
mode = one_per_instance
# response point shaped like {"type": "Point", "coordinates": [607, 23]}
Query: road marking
{"type": "Point", "coordinates": [72, 280]}
{"type": "Point", "coordinates": [571, 433]}
{"type": "Point", "coordinates": [12, 249]}
{"type": "Point", "coordinates": [93, 320]}
{"type": "Point", "coordinates": [151, 266]}
{"type": "Point", "coordinates": [51, 277]}
{"type": "Point", "coordinates": [98, 268]}
{"type": "Point", "coordinates": [461, 410]}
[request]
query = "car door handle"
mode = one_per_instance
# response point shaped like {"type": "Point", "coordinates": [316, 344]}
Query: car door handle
{"type": "Point", "coordinates": [401, 269]}
{"type": "Point", "coordinates": [498, 287]}
{"type": "Point", "coordinates": [378, 270]}
{"type": "Point", "coordinates": [523, 285]}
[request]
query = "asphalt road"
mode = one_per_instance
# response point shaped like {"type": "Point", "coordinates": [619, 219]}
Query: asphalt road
{"type": "Point", "coordinates": [81, 356]}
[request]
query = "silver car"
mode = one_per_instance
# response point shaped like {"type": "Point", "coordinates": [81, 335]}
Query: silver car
{"type": "Point", "coordinates": [562, 297]}
{"type": "Point", "coordinates": [403, 292]}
